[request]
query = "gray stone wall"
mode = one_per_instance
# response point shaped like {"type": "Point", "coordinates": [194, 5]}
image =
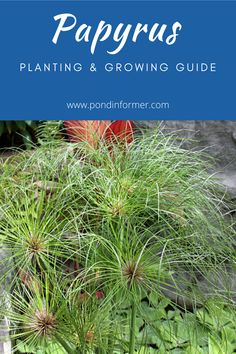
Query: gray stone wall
{"type": "Point", "coordinates": [217, 137]}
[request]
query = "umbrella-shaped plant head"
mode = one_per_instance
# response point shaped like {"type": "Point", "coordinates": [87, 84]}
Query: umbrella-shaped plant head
{"type": "Point", "coordinates": [97, 241]}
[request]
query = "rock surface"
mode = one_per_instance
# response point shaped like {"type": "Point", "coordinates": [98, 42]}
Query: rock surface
{"type": "Point", "coordinates": [5, 343]}
{"type": "Point", "coordinates": [218, 138]}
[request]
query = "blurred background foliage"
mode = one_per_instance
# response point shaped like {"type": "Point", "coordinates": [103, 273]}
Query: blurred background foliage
{"type": "Point", "coordinates": [27, 134]}
{"type": "Point", "coordinates": [18, 133]}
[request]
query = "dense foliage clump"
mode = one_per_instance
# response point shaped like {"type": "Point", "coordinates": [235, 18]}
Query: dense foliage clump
{"type": "Point", "coordinates": [106, 247]}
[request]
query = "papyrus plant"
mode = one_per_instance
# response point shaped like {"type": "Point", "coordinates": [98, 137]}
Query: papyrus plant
{"type": "Point", "coordinates": [91, 232]}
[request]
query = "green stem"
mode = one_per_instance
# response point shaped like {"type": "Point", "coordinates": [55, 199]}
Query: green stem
{"type": "Point", "coordinates": [132, 328]}
{"type": "Point", "coordinates": [66, 346]}
{"type": "Point", "coordinates": [100, 351]}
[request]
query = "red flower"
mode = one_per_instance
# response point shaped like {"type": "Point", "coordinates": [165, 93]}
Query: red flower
{"type": "Point", "coordinates": [120, 130]}
{"type": "Point", "coordinates": [86, 130]}
{"type": "Point", "coordinates": [92, 131]}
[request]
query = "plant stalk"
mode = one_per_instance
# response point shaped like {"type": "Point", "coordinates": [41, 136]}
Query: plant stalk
{"type": "Point", "coordinates": [66, 346]}
{"type": "Point", "coordinates": [132, 328]}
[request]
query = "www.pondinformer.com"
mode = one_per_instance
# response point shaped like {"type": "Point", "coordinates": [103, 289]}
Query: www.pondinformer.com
{"type": "Point", "coordinates": [121, 105]}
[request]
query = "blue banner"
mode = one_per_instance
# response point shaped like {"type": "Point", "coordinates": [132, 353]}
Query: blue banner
{"type": "Point", "coordinates": [117, 60]}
